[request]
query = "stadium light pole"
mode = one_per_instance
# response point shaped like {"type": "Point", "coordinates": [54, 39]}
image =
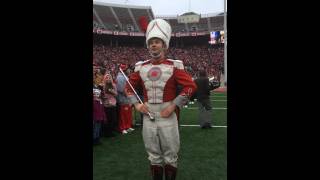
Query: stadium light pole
{"type": "Point", "coordinates": [225, 42]}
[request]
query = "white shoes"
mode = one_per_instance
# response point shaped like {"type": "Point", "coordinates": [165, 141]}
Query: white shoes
{"type": "Point", "coordinates": [130, 129]}
{"type": "Point", "coordinates": [127, 131]}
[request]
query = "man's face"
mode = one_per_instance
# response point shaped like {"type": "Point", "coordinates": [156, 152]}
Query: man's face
{"type": "Point", "coordinates": [155, 46]}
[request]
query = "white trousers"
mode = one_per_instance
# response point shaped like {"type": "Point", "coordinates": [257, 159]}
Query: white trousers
{"type": "Point", "coordinates": [161, 136]}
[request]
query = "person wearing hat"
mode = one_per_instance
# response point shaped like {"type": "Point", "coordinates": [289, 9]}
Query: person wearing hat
{"type": "Point", "coordinates": [159, 77]}
{"type": "Point", "coordinates": [125, 107]}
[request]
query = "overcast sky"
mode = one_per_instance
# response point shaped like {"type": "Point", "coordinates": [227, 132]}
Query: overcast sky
{"type": "Point", "coordinates": [175, 7]}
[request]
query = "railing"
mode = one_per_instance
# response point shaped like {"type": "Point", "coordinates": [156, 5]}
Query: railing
{"type": "Point", "coordinates": [124, 33]}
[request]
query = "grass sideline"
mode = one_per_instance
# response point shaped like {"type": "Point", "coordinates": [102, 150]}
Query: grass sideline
{"type": "Point", "coordinates": [202, 156]}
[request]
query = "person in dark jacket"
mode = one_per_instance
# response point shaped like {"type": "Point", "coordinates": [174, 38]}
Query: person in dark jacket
{"type": "Point", "coordinates": [203, 97]}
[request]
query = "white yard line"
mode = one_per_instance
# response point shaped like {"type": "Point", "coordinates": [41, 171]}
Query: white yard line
{"type": "Point", "coordinates": [194, 125]}
{"type": "Point", "coordinates": [198, 108]}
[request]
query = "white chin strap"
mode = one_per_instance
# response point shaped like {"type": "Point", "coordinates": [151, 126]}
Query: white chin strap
{"type": "Point", "coordinates": [156, 55]}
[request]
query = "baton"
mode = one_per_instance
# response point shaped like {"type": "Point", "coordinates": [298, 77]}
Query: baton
{"type": "Point", "coordinates": [151, 118]}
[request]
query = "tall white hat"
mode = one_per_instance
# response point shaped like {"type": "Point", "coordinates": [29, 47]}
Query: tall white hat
{"type": "Point", "coordinates": [159, 28]}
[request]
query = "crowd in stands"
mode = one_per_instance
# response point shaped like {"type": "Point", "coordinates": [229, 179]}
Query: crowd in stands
{"type": "Point", "coordinates": [194, 58]}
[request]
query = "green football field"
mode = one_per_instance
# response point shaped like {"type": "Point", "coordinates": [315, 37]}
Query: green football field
{"type": "Point", "coordinates": [202, 156]}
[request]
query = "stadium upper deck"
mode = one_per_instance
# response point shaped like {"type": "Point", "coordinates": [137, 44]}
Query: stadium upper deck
{"type": "Point", "coordinates": [116, 17]}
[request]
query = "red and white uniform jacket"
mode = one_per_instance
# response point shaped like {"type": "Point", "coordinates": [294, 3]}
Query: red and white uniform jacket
{"type": "Point", "coordinates": [159, 82]}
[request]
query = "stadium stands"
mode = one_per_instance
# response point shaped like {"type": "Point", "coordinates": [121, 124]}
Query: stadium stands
{"type": "Point", "coordinates": [128, 15]}
{"type": "Point", "coordinates": [195, 58]}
